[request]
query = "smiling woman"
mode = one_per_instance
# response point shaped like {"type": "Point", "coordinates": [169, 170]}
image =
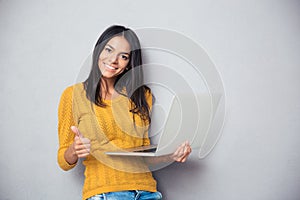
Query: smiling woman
{"type": "Point", "coordinates": [88, 128]}
{"type": "Point", "coordinates": [114, 58]}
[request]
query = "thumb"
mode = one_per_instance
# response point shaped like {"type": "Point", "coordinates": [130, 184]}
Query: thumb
{"type": "Point", "coordinates": [76, 131]}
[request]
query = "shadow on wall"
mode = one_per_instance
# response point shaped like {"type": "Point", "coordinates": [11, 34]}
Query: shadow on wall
{"type": "Point", "coordinates": [78, 173]}
{"type": "Point", "coordinates": [176, 176]}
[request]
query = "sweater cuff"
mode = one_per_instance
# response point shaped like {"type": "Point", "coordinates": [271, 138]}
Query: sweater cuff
{"type": "Point", "coordinates": [63, 163]}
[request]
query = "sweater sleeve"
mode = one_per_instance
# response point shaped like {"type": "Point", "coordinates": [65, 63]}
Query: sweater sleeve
{"type": "Point", "coordinates": [65, 121]}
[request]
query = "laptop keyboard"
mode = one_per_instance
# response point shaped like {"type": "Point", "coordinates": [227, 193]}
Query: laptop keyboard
{"type": "Point", "coordinates": [146, 150]}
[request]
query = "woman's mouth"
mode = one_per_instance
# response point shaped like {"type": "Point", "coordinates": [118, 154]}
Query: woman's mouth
{"type": "Point", "coordinates": [110, 67]}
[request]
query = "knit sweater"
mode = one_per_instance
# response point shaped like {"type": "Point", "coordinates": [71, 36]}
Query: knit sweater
{"type": "Point", "coordinates": [108, 128]}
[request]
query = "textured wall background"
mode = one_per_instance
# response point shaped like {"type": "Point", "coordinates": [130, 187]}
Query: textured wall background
{"type": "Point", "coordinates": [254, 44]}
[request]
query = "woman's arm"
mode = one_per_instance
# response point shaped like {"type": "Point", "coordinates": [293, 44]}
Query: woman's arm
{"type": "Point", "coordinates": [180, 155]}
{"type": "Point", "coordinates": [65, 135]}
{"type": "Point", "coordinates": [72, 145]}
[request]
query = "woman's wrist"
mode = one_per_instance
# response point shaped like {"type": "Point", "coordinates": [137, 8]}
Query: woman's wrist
{"type": "Point", "coordinates": [70, 155]}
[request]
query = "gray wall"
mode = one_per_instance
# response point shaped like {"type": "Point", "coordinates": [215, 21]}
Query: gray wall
{"type": "Point", "coordinates": [254, 44]}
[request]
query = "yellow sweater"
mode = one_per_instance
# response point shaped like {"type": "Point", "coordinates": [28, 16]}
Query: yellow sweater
{"type": "Point", "coordinates": [108, 128]}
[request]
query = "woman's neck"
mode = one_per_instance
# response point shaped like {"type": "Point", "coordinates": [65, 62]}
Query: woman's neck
{"type": "Point", "coordinates": [107, 88]}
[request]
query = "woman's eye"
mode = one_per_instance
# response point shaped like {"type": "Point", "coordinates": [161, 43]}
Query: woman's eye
{"type": "Point", "coordinates": [107, 49]}
{"type": "Point", "coordinates": [124, 57]}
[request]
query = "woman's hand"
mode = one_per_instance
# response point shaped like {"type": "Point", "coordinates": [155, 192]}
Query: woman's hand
{"type": "Point", "coordinates": [80, 148]}
{"type": "Point", "coordinates": [180, 155]}
{"type": "Point", "coordinates": [182, 152]}
{"type": "Point", "coordinates": [81, 145]}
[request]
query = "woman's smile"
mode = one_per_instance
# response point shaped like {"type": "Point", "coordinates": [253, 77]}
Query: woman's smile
{"type": "Point", "coordinates": [109, 67]}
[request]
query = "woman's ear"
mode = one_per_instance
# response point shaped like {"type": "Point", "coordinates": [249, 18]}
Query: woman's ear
{"type": "Point", "coordinates": [128, 68]}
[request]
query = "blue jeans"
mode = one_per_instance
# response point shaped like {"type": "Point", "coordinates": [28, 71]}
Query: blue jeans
{"type": "Point", "coordinates": [128, 195]}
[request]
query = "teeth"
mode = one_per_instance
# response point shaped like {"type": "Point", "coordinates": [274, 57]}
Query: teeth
{"type": "Point", "coordinates": [110, 67]}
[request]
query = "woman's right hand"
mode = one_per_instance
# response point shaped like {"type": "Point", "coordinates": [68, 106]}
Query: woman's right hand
{"type": "Point", "coordinates": [80, 148]}
{"type": "Point", "coordinates": [81, 145]}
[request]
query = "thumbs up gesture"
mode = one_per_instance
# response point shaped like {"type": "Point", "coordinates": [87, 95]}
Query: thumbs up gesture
{"type": "Point", "coordinates": [81, 145]}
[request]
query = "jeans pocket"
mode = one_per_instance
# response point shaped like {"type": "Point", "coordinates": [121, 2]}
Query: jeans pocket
{"type": "Point", "coordinates": [96, 197]}
{"type": "Point", "coordinates": [145, 195]}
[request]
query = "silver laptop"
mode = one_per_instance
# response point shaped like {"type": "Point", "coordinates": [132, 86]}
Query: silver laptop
{"type": "Point", "coordinates": [179, 127]}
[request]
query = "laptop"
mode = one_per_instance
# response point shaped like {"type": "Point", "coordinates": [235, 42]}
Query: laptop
{"type": "Point", "coordinates": [178, 127]}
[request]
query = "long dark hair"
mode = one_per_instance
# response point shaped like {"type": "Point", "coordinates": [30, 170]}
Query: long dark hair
{"type": "Point", "coordinates": [132, 82]}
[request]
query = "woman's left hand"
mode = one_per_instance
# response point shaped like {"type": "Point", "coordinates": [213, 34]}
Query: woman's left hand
{"type": "Point", "coordinates": [182, 152]}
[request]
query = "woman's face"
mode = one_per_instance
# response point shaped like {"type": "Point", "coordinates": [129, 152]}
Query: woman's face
{"type": "Point", "coordinates": [114, 57]}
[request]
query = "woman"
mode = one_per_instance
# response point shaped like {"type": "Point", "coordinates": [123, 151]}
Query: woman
{"type": "Point", "coordinates": [112, 110]}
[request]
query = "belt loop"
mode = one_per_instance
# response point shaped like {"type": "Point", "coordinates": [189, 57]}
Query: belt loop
{"type": "Point", "coordinates": [137, 194]}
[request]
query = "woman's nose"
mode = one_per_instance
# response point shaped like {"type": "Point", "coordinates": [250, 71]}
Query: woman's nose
{"type": "Point", "coordinates": [113, 58]}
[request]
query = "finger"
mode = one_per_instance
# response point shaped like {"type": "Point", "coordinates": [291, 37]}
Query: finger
{"type": "Point", "coordinates": [179, 154]}
{"type": "Point", "coordinates": [183, 147]}
{"type": "Point", "coordinates": [82, 147]}
{"type": "Point", "coordinates": [176, 154]}
{"type": "Point", "coordinates": [180, 159]}
{"type": "Point", "coordinates": [76, 131]}
{"type": "Point", "coordinates": [83, 155]}
{"type": "Point", "coordinates": [79, 140]}
{"type": "Point", "coordinates": [184, 159]}
{"type": "Point", "coordinates": [187, 150]}
{"type": "Point", "coordinates": [187, 144]}
{"type": "Point", "coordinates": [190, 149]}
{"type": "Point", "coordinates": [82, 151]}
{"type": "Point", "coordinates": [85, 141]}
{"type": "Point", "coordinates": [180, 149]}
{"type": "Point", "coordinates": [175, 157]}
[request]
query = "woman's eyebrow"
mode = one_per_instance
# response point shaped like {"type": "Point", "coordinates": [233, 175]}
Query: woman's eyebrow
{"type": "Point", "coordinates": [110, 46]}
{"type": "Point", "coordinates": [128, 53]}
